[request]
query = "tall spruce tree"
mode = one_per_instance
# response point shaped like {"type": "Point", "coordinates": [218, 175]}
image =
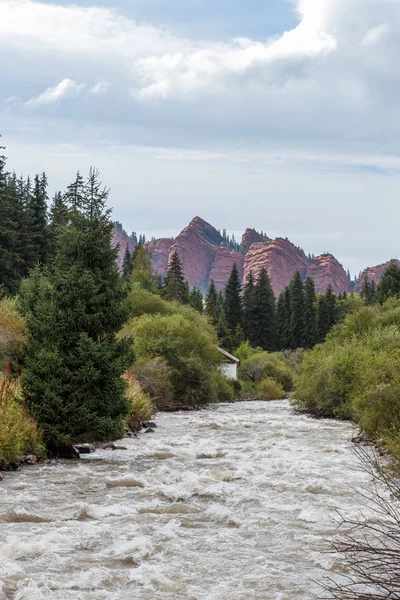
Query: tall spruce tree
{"type": "Point", "coordinates": [127, 263]}
{"type": "Point", "coordinates": [389, 284]}
{"type": "Point", "coordinates": [73, 363]}
{"type": "Point", "coordinates": [249, 309]}
{"type": "Point", "coordinates": [322, 318]}
{"type": "Point", "coordinates": [196, 300]}
{"type": "Point", "coordinates": [368, 291]}
{"type": "Point", "coordinates": [296, 311]}
{"type": "Point", "coordinates": [211, 307]}
{"type": "Point", "coordinates": [175, 287]}
{"type": "Point", "coordinates": [232, 300]}
{"type": "Point", "coordinates": [284, 319]}
{"type": "Point", "coordinates": [310, 336]}
{"type": "Point", "coordinates": [39, 230]}
{"type": "Point", "coordinates": [9, 258]}
{"type": "Point", "coordinates": [331, 304]}
{"type": "Point", "coordinates": [265, 324]}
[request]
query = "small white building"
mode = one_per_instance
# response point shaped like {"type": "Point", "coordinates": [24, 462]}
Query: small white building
{"type": "Point", "coordinates": [229, 365]}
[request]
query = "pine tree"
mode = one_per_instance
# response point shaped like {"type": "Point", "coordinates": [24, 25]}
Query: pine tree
{"type": "Point", "coordinates": [127, 263]}
{"type": "Point", "coordinates": [296, 311]}
{"type": "Point", "coordinates": [9, 259]}
{"type": "Point", "coordinates": [59, 218]}
{"type": "Point", "coordinates": [73, 364]}
{"type": "Point", "coordinates": [331, 305]}
{"type": "Point", "coordinates": [211, 308]}
{"type": "Point", "coordinates": [196, 300]}
{"type": "Point", "coordinates": [238, 337]}
{"type": "Point", "coordinates": [249, 308]}
{"type": "Point", "coordinates": [224, 334]}
{"type": "Point", "coordinates": [265, 323]}
{"type": "Point", "coordinates": [389, 284]}
{"type": "Point", "coordinates": [310, 336]}
{"type": "Point", "coordinates": [174, 283]}
{"type": "Point", "coordinates": [232, 300]}
{"type": "Point", "coordinates": [322, 318]}
{"type": "Point", "coordinates": [39, 231]}
{"type": "Point", "coordinates": [284, 319]}
{"type": "Point", "coordinates": [368, 291]}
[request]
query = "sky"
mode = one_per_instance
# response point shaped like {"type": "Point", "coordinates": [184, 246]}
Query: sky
{"type": "Point", "coordinates": [282, 115]}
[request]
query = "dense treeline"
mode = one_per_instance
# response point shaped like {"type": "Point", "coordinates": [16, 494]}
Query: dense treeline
{"type": "Point", "coordinates": [300, 318]}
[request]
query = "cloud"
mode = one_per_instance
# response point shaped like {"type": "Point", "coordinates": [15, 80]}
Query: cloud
{"type": "Point", "coordinates": [99, 88]}
{"type": "Point", "coordinates": [67, 88]}
{"type": "Point", "coordinates": [374, 34]}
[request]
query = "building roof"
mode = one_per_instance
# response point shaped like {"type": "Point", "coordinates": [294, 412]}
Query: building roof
{"type": "Point", "coordinates": [228, 356]}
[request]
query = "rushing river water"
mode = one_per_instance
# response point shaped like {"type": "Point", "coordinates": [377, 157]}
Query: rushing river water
{"type": "Point", "coordinates": [231, 503]}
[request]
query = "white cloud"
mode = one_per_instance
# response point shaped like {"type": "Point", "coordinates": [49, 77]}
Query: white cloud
{"type": "Point", "coordinates": [99, 88]}
{"type": "Point", "coordinates": [374, 34]}
{"type": "Point", "coordinates": [67, 88]}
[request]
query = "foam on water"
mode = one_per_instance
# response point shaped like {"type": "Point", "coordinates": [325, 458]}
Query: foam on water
{"type": "Point", "coordinates": [236, 502]}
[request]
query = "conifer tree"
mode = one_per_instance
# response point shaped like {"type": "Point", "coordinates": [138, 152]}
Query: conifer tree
{"type": "Point", "coordinates": [310, 314]}
{"type": "Point", "coordinates": [249, 308]}
{"type": "Point", "coordinates": [127, 263]}
{"type": "Point", "coordinates": [175, 287]}
{"type": "Point", "coordinates": [224, 334]}
{"type": "Point", "coordinates": [389, 284]}
{"type": "Point", "coordinates": [238, 337]}
{"type": "Point", "coordinates": [196, 300]}
{"type": "Point", "coordinates": [322, 318]}
{"type": "Point", "coordinates": [368, 291]}
{"type": "Point", "coordinates": [296, 311]}
{"type": "Point", "coordinates": [232, 300]}
{"type": "Point", "coordinates": [59, 218]}
{"type": "Point", "coordinates": [73, 363]}
{"type": "Point", "coordinates": [331, 305]}
{"type": "Point", "coordinates": [284, 319]}
{"type": "Point", "coordinates": [211, 308]}
{"type": "Point", "coordinates": [265, 324]}
{"type": "Point", "coordinates": [9, 259]}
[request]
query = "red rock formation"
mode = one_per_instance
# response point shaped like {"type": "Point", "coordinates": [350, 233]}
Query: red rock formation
{"type": "Point", "coordinates": [160, 250]}
{"type": "Point", "coordinates": [251, 236]}
{"type": "Point", "coordinates": [373, 274]}
{"type": "Point", "coordinates": [197, 246]}
{"type": "Point", "coordinates": [325, 270]}
{"type": "Point", "coordinates": [280, 258]}
{"type": "Point", "coordinates": [224, 260]}
{"type": "Point", "coordinates": [121, 238]}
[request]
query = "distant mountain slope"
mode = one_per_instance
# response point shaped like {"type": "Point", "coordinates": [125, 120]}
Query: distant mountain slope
{"type": "Point", "coordinates": [207, 255]}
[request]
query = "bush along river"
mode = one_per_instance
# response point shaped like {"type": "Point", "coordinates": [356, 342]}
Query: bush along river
{"type": "Point", "coordinates": [230, 503]}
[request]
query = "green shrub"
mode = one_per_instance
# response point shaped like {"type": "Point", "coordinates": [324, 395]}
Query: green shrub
{"type": "Point", "coordinates": [262, 365]}
{"type": "Point", "coordinates": [225, 387]}
{"type": "Point", "coordinates": [244, 351]}
{"type": "Point", "coordinates": [141, 406]}
{"type": "Point", "coordinates": [19, 434]}
{"type": "Point", "coordinates": [269, 389]}
{"type": "Point", "coordinates": [188, 346]}
{"type": "Point", "coordinates": [12, 334]}
{"type": "Point", "coordinates": [154, 376]}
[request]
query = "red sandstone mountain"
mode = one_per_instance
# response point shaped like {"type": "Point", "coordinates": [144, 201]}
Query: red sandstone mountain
{"type": "Point", "coordinates": [121, 238]}
{"type": "Point", "coordinates": [205, 257]}
{"type": "Point", "coordinates": [326, 269]}
{"type": "Point", "coordinates": [373, 274]}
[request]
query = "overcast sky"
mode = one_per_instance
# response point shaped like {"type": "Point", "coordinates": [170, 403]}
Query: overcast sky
{"type": "Point", "coordinates": [282, 115]}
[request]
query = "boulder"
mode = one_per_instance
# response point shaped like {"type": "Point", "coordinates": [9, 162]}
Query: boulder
{"type": "Point", "coordinates": [149, 430]}
{"type": "Point", "coordinates": [149, 424]}
{"type": "Point", "coordinates": [30, 459]}
{"type": "Point", "coordinates": [1, 477]}
{"type": "Point", "coordinates": [84, 448]}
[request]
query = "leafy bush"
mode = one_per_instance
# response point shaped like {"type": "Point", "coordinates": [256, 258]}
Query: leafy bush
{"type": "Point", "coordinates": [262, 365]}
{"type": "Point", "coordinates": [19, 434]}
{"type": "Point", "coordinates": [244, 351]}
{"type": "Point", "coordinates": [154, 376]}
{"type": "Point", "coordinates": [269, 389]}
{"type": "Point", "coordinates": [12, 334]}
{"type": "Point", "coordinates": [188, 346]}
{"type": "Point", "coordinates": [225, 387]}
{"type": "Point", "coordinates": [356, 372]}
{"type": "Point", "coordinates": [142, 408]}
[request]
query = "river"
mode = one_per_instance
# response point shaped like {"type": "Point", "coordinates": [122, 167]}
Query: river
{"type": "Point", "coordinates": [235, 502]}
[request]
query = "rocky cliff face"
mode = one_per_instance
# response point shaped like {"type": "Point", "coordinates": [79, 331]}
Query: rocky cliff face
{"type": "Point", "coordinates": [221, 268]}
{"type": "Point", "coordinates": [251, 236]}
{"type": "Point", "coordinates": [280, 258]}
{"type": "Point", "coordinates": [325, 270]}
{"type": "Point", "coordinates": [373, 274]}
{"type": "Point", "coordinates": [160, 251]}
{"type": "Point", "coordinates": [121, 238]}
{"type": "Point", "coordinates": [197, 246]}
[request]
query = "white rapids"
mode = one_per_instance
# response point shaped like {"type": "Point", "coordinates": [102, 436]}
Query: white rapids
{"type": "Point", "coordinates": [235, 502]}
